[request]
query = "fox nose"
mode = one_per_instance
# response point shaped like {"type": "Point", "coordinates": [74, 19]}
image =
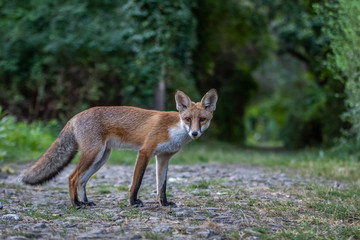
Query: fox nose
{"type": "Point", "coordinates": [194, 134]}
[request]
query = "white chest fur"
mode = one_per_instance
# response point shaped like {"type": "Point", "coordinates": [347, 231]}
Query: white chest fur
{"type": "Point", "coordinates": [178, 138]}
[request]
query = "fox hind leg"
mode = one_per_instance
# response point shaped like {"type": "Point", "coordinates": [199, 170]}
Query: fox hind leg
{"type": "Point", "coordinates": [88, 164]}
{"type": "Point", "coordinates": [142, 161]}
{"type": "Point", "coordinates": [100, 160]}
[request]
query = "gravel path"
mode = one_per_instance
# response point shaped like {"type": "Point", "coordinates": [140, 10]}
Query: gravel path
{"type": "Point", "coordinates": [214, 201]}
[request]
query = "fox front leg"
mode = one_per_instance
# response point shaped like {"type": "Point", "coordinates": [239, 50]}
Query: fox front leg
{"type": "Point", "coordinates": [162, 162]}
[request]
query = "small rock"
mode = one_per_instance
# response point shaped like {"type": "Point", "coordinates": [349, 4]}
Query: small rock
{"type": "Point", "coordinates": [220, 218]}
{"type": "Point", "coordinates": [212, 209]}
{"type": "Point", "coordinates": [216, 237]}
{"type": "Point", "coordinates": [124, 213]}
{"type": "Point", "coordinates": [1, 206]}
{"type": "Point", "coordinates": [115, 217]}
{"type": "Point", "coordinates": [17, 227]}
{"type": "Point", "coordinates": [69, 224]}
{"type": "Point", "coordinates": [136, 236]}
{"type": "Point", "coordinates": [181, 213]}
{"type": "Point", "coordinates": [199, 218]}
{"type": "Point", "coordinates": [154, 219]}
{"type": "Point", "coordinates": [203, 233]}
{"type": "Point", "coordinates": [16, 238]}
{"type": "Point", "coordinates": [190, 230]}
{"type": "Point", "coordinates": [275, 225]}
{"type": "Point", "coordinates": [119, 220]}
{"type": "Point", "coordinates": [10, 217]}
{"type": "Point", "coordinates": [250, 231]}
{"type": "Point", "coordinates": [40, 225]}
{"type": "Point", "coordinates": [162, 228]}
{"type": "Point", "coordinates": [3, 175]}
{"type": "Point", "coordinates": [92, 234]}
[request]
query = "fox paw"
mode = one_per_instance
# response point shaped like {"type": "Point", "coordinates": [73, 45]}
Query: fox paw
{"type": "Point", "coordinates": [168, 204]}
{"type": "Point", "coordinates": [90, 204]}
{"type": "Point", "coordinates": [82, 205]}
{"type": "Point", "coordinates": [136, 203]}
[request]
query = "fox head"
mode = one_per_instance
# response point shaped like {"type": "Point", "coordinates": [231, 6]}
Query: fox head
{"type": "Point", "coordinates": [196, 117]}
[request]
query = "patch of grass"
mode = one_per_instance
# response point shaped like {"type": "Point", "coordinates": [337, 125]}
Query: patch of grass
{"type": "Point", "coordinates": [313, 230]}
{"type": "Point", "coordinates": [132, 212]}
{"type": "Point", "coordinates": [192, 203]}
{"type": "Point", "coordinates": [335, 203]}
{"type": "Point", "coordinates": [210, 202]}
{"type": "Point", "coordinates": [324, 212]}
{"type": "Point", "coordinates": [125, 157]}
{"type": "Point", "coordinates": [203, 184]}
{"type": "Point", "coordinates": [202, 194]}
{"type": "Point", "coordinates": [233, 235]}
{"type": "Point", "coordinates": [122, 188]}
{"type": "Point", "coordinates": [236, 206]}
{"type": "Point", "coordinates": [310, 162]}
{"type": "Point", "coordinates": [154, 236]}
{"type": "Point", "coordinates": [46, 215]}
{"type": "Point", "coordinates": [104, 189]}
{"type": "Point", "coordinates": [86, 214]}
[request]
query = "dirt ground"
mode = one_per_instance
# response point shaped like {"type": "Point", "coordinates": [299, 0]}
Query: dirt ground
{"type": "Point", "coordinates": [214, 201]}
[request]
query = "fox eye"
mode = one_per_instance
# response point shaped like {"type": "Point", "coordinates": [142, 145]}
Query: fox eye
{"type": "Point", "coordinates": [202, 119]}
{"type": "Point", "coordinates": [188, 119]}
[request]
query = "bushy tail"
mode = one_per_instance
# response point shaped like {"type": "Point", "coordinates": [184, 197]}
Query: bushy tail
{"type": "Point", "coordinates": [53, 161]}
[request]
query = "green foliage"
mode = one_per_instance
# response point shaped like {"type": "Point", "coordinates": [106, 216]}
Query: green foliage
{"type": "Point", "coordinates": [23, 141]}
{"type": "Point", "coordinates": [59, 57]}
{"type": "Point", "coordinates": [306, 101]}
{"type": "Point", "coordinates": [341, 28]}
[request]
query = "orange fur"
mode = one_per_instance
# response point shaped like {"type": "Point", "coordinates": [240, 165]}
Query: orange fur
{"type": "Point", "coordinates": [96, 130]}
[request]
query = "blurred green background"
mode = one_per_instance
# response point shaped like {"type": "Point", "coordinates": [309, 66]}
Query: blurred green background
{"type": "Point", "coordinates": [287, 72]}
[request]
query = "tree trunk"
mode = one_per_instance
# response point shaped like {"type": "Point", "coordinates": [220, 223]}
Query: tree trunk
{"type": "Point", "coordinates": [159, 97]}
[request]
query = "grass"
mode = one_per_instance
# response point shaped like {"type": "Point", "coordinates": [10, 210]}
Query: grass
{"type": "Point", "coordinates": [323, 212]}
{"type": "Point", "coordinates": [310, 162]}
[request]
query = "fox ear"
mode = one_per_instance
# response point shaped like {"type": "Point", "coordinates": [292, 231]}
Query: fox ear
{"type": "Point", "coordinates": [182, 101]}
{"type": "Point", "coordinates": [209, 100]}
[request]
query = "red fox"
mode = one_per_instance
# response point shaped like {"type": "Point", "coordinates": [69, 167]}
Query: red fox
{"type": "Point", "coordinates": [96, 130]}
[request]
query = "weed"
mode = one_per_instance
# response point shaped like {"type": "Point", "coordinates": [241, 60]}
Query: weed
{"type": "Point", "coordinates": [104, 189]}
{"type": "Point", "coordinates": [236, 206]}
{"type": "Point", "coordinates": [122, 188]}
{"type": "Point", "coordinates": [154, 236]}
{"type": "Point", "coordinates": [203, 184]}
{"type": "Point", "coordinates": [211, 203]}
{"type": "Point", "coordinates": [201, 193]}
{"type": "Point", "coordinates": [46, 215]}
{"type": "Point", "coordinates": [233, 236]}
{"type": "Point", "coordinates": [122, 204]}
{"type": "Point", "coordinates": [252, 202]}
